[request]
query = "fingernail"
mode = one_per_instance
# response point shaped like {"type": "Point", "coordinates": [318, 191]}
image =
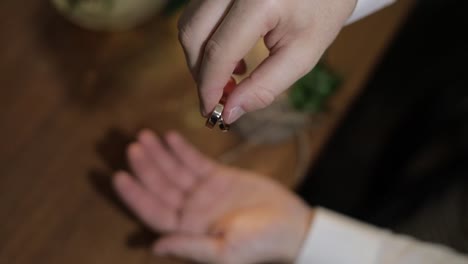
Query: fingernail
{"type": "Point", "coordinates": [234, 114]}
{"type": "Point", "coordinates": [203, 111]}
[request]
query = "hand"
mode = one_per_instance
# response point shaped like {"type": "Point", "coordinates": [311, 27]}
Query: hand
{"type": "Point", "coordinates": [209, 212]}
{"type": "Point", "coordinates": [217, 34]}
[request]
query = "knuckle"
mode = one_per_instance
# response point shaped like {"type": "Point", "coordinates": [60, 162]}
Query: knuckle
{"type": "Point", "coordinates": [270, 10]}
{"type": "Point", "coordinates": [213, 50]}
{"type": "Point", "coordinates": [262, 97]}
{"type": "Point", "coordinates": [183, 21]}
{"type": "Point", "coordinates": [304, 66]}
{"type": "Point", "coordinates": [184, 35]}
{"type": "Point", "coordinates": [302, 62]}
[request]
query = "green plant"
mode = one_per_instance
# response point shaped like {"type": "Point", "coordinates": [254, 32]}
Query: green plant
{"type": "Point", "coordinates": [174, 5]}
{"type": "Point", "coordinates": [311, 92]}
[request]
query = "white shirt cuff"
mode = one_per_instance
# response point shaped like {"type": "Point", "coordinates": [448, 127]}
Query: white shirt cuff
{"type": "Point", "coordinates": [336, 239]}
{"type": "Point", "coordinates": [367, 7]}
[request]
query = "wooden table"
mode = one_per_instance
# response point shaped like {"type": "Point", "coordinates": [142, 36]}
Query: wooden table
{"type": "Point", "coordinates": [71, 100]}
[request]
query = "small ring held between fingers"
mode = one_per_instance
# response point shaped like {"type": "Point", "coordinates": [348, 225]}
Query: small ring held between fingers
{"type": "Point", "coordinates": [217, 117]}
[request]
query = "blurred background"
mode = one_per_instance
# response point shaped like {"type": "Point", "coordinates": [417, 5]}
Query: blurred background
{"type": "Point", "coordinates": [398, 159]}
{"type": "Point", "coordinates": [376, 131]}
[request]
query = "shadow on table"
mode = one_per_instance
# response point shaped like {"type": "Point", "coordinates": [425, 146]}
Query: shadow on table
{"type": "Point", "coordinates": [112, 149]}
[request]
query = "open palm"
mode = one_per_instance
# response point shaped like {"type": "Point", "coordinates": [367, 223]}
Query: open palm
{"type": "Point", "coordinates": [206, 211]}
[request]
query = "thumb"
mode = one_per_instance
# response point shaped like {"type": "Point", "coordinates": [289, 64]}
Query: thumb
{"type": "Point", "coordinates": [197, 248]}
{"type": "Point", "coordinates": [271, 78]}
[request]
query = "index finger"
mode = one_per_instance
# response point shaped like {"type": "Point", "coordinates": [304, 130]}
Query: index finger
{"type": "Point", "coordinates": [236, 35]}
{"type": "Point", "coordinates": [194, 160]}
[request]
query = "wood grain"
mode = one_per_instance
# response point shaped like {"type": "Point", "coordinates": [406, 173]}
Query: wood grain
{"type": "Point", "coordinates": [71, 100]}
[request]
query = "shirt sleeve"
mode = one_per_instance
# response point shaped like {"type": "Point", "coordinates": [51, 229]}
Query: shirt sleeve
{"type": "Point", "coordinates": [336, 239]}
{"type": "Point", "coordinates": [367, 7]}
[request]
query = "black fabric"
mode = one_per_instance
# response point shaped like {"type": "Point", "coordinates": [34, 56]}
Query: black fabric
{"type": "Point", "coordinates": [403, 147]}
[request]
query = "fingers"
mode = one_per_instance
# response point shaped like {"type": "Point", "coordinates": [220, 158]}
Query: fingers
{"type": "Point", "coordinates": [195, 161]}
{"type": "Point", "coordinates": [211, 200]}
{"type": "Point", "coordinates": [151, 211]}
{"type": "Point", "coordinates": [244, 24]}
{"type": "Point", "coordinates": [197, 248]}
{"type": "Point", "coordinates": [165, 161]}
{"type": "Point", "coordinates": [151, 177]}
{"type": "Point", "coordinates": [196, 25]}
{"type": "Point", "coordinates": [153, 165]}
{"type": "Point", "coordinates": [275, 75]}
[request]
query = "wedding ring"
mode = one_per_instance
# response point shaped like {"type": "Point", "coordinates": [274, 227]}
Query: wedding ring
{"type": "Point", "coordinates": [215, 116]}
{"type": "Point", "coordinates": [223, 126]}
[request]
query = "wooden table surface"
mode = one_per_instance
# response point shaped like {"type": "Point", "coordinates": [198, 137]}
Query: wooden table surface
{"type": "Point", "coordinates": [71, 100]}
